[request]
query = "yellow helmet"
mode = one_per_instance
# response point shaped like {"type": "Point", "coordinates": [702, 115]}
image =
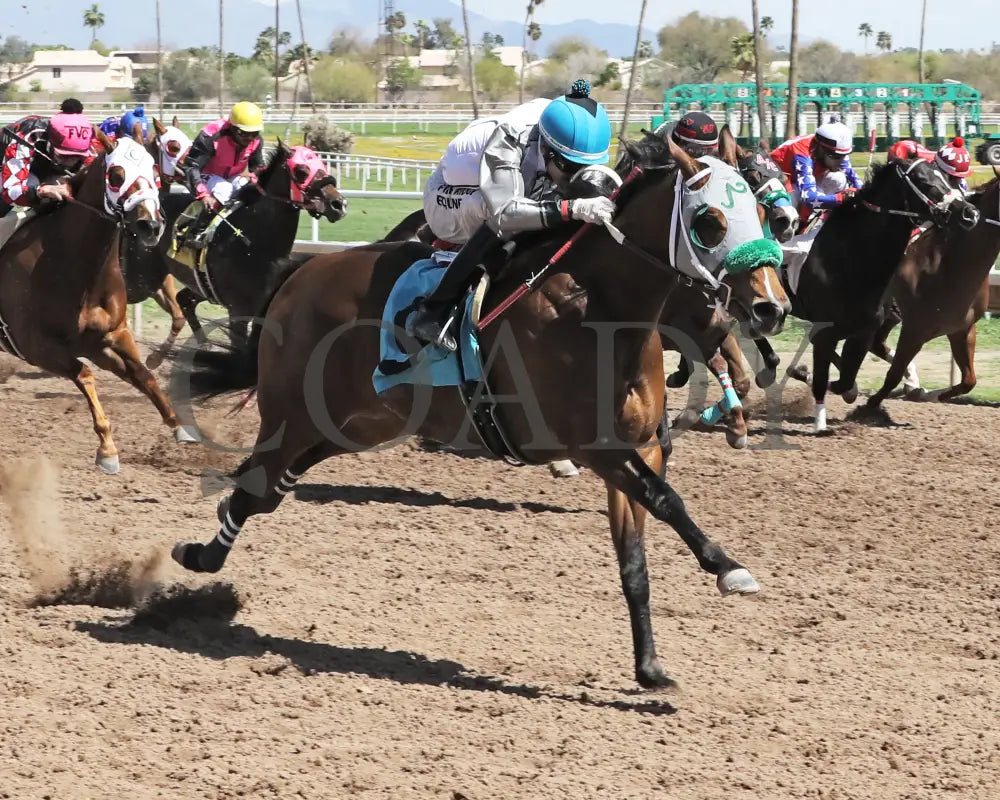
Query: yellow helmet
{"type": "Point", "coordinates": [247, 117]}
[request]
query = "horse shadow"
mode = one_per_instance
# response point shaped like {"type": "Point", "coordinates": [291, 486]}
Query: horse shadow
{"type": "Point", "coordinates": [219, 640]}
{"type": "Point", "coordinates": [322, 493]}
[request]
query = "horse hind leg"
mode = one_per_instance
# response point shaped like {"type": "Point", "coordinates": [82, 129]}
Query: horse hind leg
{"type": "Point", "coordinates": [166, 298]}
{"type": "Point", "coordinates": [107, 452]}
{"type": "Point", "coordinates": [824, 350]}
{"type": "Point", "coordinates": [120, 356]}
{"type": "Point", "coordinates": [263, 481]}
{"type": "Point", "coordinates": [188, 302]}
{"type": "Point", "coordinates": [729, 406]}
{"type": "Point", "coordinates": [963, 350]}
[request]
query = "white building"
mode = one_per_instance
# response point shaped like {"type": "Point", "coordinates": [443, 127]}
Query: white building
{"type": "Point", "coordinates": [441, 69]}
{"type": "Point", "coordinates": [75, 72]}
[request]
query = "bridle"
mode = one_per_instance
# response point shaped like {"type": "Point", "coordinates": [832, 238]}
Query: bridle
{"type": "Point", "coordinates": [937, 211]}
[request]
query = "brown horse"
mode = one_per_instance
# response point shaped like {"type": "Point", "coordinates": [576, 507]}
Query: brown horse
{"type": "Point", "coordinates": [62, 295]}
{"type": "Point", "coordinates": [581, 354]}
{"type": "Point", "coordinates": [942, 288]}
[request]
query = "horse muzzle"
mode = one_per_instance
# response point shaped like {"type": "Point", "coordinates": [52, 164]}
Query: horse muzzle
{"type": "Point", "coordinates": [782, 221]}
{"type": "Point", "coordinates": [968, 216]}
{"type": "Point", "coordinates": [149, 231]}
{"type": "Point", "coordinates": [767, 318]}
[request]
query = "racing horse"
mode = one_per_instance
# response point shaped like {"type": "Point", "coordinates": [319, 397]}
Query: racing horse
{"type": "Point", "coordinates": [240, 269]}
{"type": "Point", "coordinates": [62, 294]}
{"type": "Point", "coordinates": [844, 281]}
{"type": "Point", "coordinates": [582, 355]}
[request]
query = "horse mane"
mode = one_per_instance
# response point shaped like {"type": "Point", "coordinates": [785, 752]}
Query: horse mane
{"type": "Point", "coordinates": [250, 193]}
{"type": "Point", "coordinates": [79, 178]}
{"type": "Point", "coordinates": [982, 189]}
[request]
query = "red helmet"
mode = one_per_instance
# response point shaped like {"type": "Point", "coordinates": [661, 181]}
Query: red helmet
{"type": "Point", "coordinates": [953, 159]}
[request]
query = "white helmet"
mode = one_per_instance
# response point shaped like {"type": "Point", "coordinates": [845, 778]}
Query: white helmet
{"type": "Point", "coordinates": [836, 137]}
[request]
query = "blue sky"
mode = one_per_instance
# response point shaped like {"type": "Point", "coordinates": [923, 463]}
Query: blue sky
{"type": "Point", "coordinates": [962, 25]}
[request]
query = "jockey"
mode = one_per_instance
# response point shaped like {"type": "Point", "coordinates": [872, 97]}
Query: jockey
{"type": "Point", "coordinates": [36, 153]}
{"type": "Point", "coordinates": [956, 164]}
{"type": "Point", "coordinates": [71, 106]}
{"type": "Point", "coordinates": [818, 169]}
{"type": "Point", "coordinates": [221, 153]}
{"type": "Point", "coordinates": [128, 121]}
{"type": "Point", "coordinates": [695, 133]}
{"type": "Point", "coordinates": [907, 148]}
{"type": "Point", "coordinates": [504, 172]}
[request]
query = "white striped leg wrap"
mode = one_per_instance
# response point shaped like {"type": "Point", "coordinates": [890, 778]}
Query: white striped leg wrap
{"type": "Point", "coordinates": [228, 532]}
{"type": "Point", "coordinates": [287, 482]}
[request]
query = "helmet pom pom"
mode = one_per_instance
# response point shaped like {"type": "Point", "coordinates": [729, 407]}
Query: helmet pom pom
{"type": "Point", "coordinates": [580, 88]}
{"type": "Point", "coordinates": [958, 141]}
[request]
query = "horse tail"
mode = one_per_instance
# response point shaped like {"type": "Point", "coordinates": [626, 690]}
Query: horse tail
{"type": "Point", "coordinates": [232, 366]}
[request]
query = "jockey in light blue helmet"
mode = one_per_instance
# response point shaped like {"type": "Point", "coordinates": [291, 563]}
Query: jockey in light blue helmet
{"type": "Point", "coordinates": [576, 127]}
{"type": "Point", "coordinates": [129, 118]}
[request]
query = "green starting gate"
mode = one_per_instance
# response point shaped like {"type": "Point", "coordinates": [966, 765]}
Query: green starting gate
{"type": "Point", "coordinates": [865, 107]}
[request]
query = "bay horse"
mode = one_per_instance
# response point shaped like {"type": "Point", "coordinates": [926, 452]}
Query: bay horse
{"type": "Point", "coordinates": [240, 271]}
{"type": "Point", "coordinates": [582, 355]}
{"type": "Point", "coordinates": [942, 288]}
{"type": "Point", "coordinates": [62, 294]}
{"type": "Point", "coordinates": [846, 276]}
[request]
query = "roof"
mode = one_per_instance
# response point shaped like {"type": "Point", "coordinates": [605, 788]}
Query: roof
{"type": "Point", "coordinates": [68, 58]}
{"type": "Point", "coordinates": [430, 59]}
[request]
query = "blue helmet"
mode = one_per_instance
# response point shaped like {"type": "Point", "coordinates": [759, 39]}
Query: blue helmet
{"type": "Point", "coordinates": [577, 127]}
{"type": "Point", "coordinates": [130, 118]}
{"type": "Point", "coordinates": [109, 127]}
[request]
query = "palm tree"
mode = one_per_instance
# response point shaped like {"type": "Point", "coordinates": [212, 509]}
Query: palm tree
{"type": "Point", "coordinates": [422, 29]}
{"type": "Point", "coordinates": [920, 54]}
{"type": "Point", "coordinates": [636, 54]}
{"type": "Point", "coordinates": [741, 51]}
{"type": "Point", "coordinates": [306, 53]}
{"type": "Point", "coordinates": [532, 30]}
{"type": "Point", "coordinates": [159, 60]}
{"type": "Point", "coordinates": [766, 25]}
{"type": "Point", "coordinates": [883, 41]}
{"type": "Point", "coordinates": [793, 89]}
{"type": "Point", "coordinates": [865, 31]}
{"type": "Point", "coordinates": [472, 66]}
{"type": "Point", "coordinates": [93, 18]}
{"type": "Point", "coordinates": [758, 25]}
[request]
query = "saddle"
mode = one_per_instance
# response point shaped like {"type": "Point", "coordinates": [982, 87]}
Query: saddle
{"type": "Point", "coordinates": [194, 231]}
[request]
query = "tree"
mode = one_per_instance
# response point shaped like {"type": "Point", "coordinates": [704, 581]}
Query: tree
{"type": "Point", "coordinates": [700, 46]}
{"type": "Point", "coordinates": [766, 25]}
{"type": "Point", "coordinates": [190, 75]}
{"type": "Point", "coordinates": [531, 30]}
{"type": "Point", "coordinates": [609, 75]}
{"type": "Point", "coordinates": [249, 81]}
{"type": "Point", "coordinates": [634, 71]}
{"type": "Point", "coordinates": [791, 124]}
{"type": "Point", "coordinates": [741, 48]}
{"type": "Point", "coordinates": [491, 41]}
{"type": "Point", "coordinates": [822, 62]}
{"type": "Point", "coordinates": [645, 48]}
{"type": "Point", "coordinates": [865, 31]}
{"type": "Point", "coordinates": [472, 68]}
{"type": "Point", "coordinates": [883, 41]}
{"type": "Point", "coordinates": [337, 80]}
{"type": "Point", "coordinates": [757, 50]}
{"type": "Point", "coordinates": [444, 37]}
{"type": "Point", "coordinates": [493, 78]}
{"type": "Point", "coordinates": [920, 58]}
{"type": "Point", "coordinates": [263, 49]}
{"type": "Point", "coordinates": [423, 34]}
{"type": "Point", "coordinates": [143, 87]}
{"type": "Point", "coordinates": [569, 58]}
{"type": "Point", "coordinates": [93, 18]}
{"type": "Point", "coordinates": [401, 77]}
{"type": "Point", "coordinates": [348, 42]}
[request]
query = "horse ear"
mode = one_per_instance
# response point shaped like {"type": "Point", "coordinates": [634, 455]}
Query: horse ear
{"type": "Point", "coordinates": [284, 148]}
{"type": "Point", "coordinates": [689, 167]}
{"type": "Point", "coordinates": [106, 143]}
{"type": "Point", "coordinates": [764, 144]}
{"type": "Point", "coordinates": [727, 146]}
{"type": "Point", "coordinates": [175, 122]}
{"type": "Point", "coordinates": [137, 133]}
{"type": "Point", "coordinates": [158, 127]}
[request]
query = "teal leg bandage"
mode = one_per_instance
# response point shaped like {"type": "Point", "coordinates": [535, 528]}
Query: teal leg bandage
{"type": "Point", "coordinates": [729, 401]}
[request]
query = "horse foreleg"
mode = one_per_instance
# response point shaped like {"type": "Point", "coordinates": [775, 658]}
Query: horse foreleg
{"type": "Point", "coordinates": [767, 375]}
{"type": "Point", "coordinates": [849, 365]}
{"type": "Point", "coordinates": [880, 346]}
{"type": "Point", "coordinates": [188, 302]}
{"type": "Point", "coordinates": [824, 349]}
{"type": "Point", "coordinates": [121, 357]}
{"type": "Point", "coordinates": [906, 350]}
{"type": "Point", "coordinates": [680, 376]}
{"type": "Point", "coordinates": [107, 452]}
{"type": "Point", "coordinates": [963, 350]}
{"type": "Point", "coordinates": [729, 406]}
{"type": "Point", "coordinates": [629, 473]}
{"type": "Point", "coordinates": [731, 351]}
{"type": "Point", "coordinates": [166, 298]}
{"type": "Point", "coordinates": [627, 518]}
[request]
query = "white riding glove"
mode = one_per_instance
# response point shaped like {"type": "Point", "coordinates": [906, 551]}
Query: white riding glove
{"type": "Point", "coordinates": [592, 209]}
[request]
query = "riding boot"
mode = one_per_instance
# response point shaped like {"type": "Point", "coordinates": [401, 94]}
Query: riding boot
{"type": "Point", "coordinates": [435, 315]}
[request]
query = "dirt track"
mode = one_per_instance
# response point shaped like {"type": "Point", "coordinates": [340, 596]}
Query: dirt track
{"type": "Point", "coordinates": [422, 625]}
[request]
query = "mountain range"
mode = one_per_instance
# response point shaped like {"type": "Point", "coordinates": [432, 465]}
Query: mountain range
{"type": "Point", "coordinates": [189, 23]}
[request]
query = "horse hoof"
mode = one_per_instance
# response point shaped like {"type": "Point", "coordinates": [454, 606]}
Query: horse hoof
{"type": "Point", "coordinates": [653, 677]}
{"type": "Point", "coordinates": [563, 469]}
{"type": "Point", "coordinates": [737, 442]}
{"type": "Point", "coordinates": [851, 394]}
{"type": "Point", "coordinates": [109, 465]}
{"type": "Point", "coordinates": [186, 435]}
{"type": "Point", "coordinates": [737, 581]}
{"type": "Point", "coordinates": [765, 378]}
{"type": "Point", "coordinates": [222, 508]}
{"type": "Point", "coordinates": [799, 372]}
{"type": "Point", "coordinates": [915, 393]}
{"type": "Point", "coordinates": [153, 360]}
